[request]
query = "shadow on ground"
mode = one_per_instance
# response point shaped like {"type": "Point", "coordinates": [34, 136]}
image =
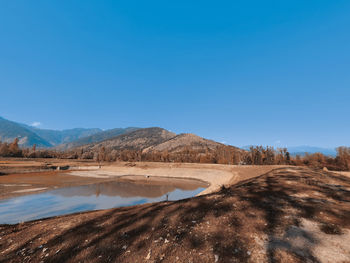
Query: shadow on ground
{"type": "Point", "coordinates": [258, 220]}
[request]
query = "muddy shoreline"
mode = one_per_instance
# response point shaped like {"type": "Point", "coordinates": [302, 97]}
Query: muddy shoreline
{"type": "Point", "coordinates": [30, 176]}
{"type": "Point", "coordinates": [285, 215]}
{"type": "Point", "coordinates": [21, 177]}
{"type": "Point", "coordinates": [33, 183]}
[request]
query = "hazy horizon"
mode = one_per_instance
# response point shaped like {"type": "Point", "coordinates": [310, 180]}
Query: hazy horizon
{"type": "Point", "coordinates": [242, 73]}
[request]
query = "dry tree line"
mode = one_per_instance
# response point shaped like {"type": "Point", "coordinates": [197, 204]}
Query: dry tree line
{"type": "Point", "coordinates": [221, 155]}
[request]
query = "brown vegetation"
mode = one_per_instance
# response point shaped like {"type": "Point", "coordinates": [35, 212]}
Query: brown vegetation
{"type": "Point", "coordinates": [197, 151]}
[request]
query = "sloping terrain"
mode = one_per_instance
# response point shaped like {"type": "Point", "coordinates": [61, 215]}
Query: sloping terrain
{"type": "Point", "coordinates": [148, 140]}
{"type": "Point", "coordinates": [28, 135]}
{"type": "Point", "coordinates": [287, 215]}
{"type": "Point", "coordinates": [56, 137]}
{"type": "Point", "coordinates": [158, 140]}
{"type": "Point", "coordinates": [95, 138]}
{"type": "Point", "coordinates": [10, 130]}
{"type": "Point", "coordinates": [181, 141]}
{"type": "Point", "coordinates": [136, 140]}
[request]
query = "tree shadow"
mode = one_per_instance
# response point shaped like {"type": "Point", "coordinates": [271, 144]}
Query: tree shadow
{"type": "Point", "coordinates": [221, 226]}
{"type": "Point", "coordinates": [272, 194]}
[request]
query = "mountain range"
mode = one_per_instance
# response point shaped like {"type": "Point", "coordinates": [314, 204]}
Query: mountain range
{"type": "Point", "coordinates": [10, 130]}
{"type": "Point", "coordinates": [45, 138]}
{"type": "Point", "coordinates": [156, 140]}
{"type": "Point", "coordinates": [148, 140]}
{"type": "Point", "coordinates": [145, 139]}
{"type": "Point", "coordinates": [95, 138]}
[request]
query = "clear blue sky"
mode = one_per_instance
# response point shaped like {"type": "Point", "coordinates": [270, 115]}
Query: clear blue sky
{"type": "Point", "coordinates": [242, 72]}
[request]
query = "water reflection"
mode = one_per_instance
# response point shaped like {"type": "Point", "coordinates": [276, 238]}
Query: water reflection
{"type": "Point", "coordinates": [92, 197]}
{"type": "Point", "coordinates": [123, 189]}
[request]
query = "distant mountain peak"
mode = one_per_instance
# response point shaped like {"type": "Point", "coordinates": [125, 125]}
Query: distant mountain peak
{"type": "Point", "coordinates": [29, 135]}
{"type": "Point", "coordinates": [142, 139]}
{"type": "Point", "coordinates": [134, 140]}
{"type": "Point", "coordinates": [10, 130]}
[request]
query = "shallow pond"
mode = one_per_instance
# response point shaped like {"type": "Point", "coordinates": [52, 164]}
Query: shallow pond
{"type": "Point", "coordinates": [105, 195]}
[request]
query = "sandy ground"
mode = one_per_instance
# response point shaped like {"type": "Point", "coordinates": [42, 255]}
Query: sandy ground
{"type": "Point", "coordinates": [347, 174]}
{"type": "Point", "coordinates": [286, 215]}
{"type": "Point", "coordinates": [33, 176]}
{"type": "Point", "coordinates": [214, 174]}
{"type": "Point", "coordinates": [37, 162]}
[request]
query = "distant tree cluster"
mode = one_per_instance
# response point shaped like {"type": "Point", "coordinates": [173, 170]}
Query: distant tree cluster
{"type": "Point", "coordinates": [13, 150]}
{"type": "Point", "coordinates": [221, 155]}
{"type": "Point", "coordinates": [267, 156]}
{"type": "Point", "coordinates": [10, 149]}
{"type": "Point", "coordinates": [260, 155]}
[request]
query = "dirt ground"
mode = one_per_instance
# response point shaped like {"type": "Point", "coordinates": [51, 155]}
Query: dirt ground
{"type": "Point", "coordinates": [214, 174]}
{"type": "Point", "coordinates": [27, 165]}
{"type": "Point", "coordinates": [288, 214]}
{"type": "Point", "coordinates": [21, 176]}
{"type": "Point", "coordinates": [344, 173]}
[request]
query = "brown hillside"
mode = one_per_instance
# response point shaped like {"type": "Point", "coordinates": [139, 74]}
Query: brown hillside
{"type": "Point", "coordinates": [136, 140]}
{"type": "Point", "coordinates": [179, 142]}
{"type": "Point", "coordinates": [160, 145]}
